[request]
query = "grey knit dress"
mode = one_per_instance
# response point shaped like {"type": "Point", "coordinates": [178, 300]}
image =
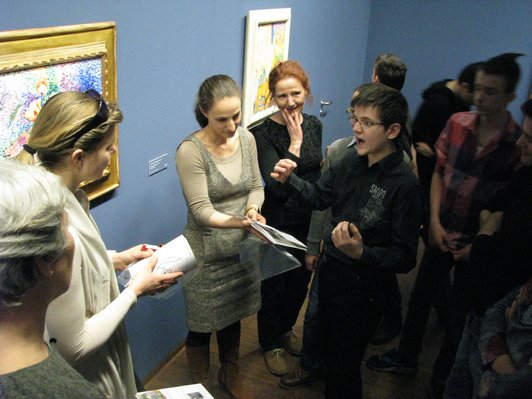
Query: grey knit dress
{"type": "Point", "coordinates": [223, 290]}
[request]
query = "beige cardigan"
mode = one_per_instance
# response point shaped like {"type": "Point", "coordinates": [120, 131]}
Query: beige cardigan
{"type": "Point", "coordinates": [87, 320]}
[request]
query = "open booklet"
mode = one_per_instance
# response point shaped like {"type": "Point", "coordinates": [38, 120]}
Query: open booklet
{"type": "Point", "coordinates": [175, 256]}
{"type": "Point", "coordinates": [194, 391]}
{"type": "Point", "coordinates": [278, 237]}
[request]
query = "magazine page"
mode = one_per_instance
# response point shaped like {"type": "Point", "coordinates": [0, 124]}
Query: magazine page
{"type": "Point", "coordinates": [278, 237]}
{"type": "Point", "coordinates": [194, 391]}
{"type": "Point", "coordinates": [176, 256]}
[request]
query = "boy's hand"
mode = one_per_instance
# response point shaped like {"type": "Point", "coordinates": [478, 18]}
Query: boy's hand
{"type": "Point", "coordinates": [462, 254]}
{"type": "Point", "coordinates": [438, 237]}
{"type": "Point", "coordinates": [504, 365]}
{"type": "Point", "coordinates": [424, 149]}
{"type": "Point", "coordinates": [283, 169]}
{"type": "Point", "coordinates": [347, 238]}
{"type": "Point", "coordinates": [311, 261]}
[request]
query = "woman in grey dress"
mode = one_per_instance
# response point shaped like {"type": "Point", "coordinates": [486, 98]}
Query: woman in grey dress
{"type": "Point", "coordinates": [220, 178]}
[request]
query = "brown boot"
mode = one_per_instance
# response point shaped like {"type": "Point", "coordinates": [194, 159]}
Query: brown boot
{"type": "Point", "coordinates": [228, 375]}
{"type": "Point", "coordinates": [198, 363]}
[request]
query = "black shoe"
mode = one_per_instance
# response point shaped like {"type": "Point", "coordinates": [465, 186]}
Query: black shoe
{"type": "Point", "coordinates": [393, 361]}
{"type": "Point", "coordinates": [385, 332]}
{"type": "Point", "coordinates": [298, 378]}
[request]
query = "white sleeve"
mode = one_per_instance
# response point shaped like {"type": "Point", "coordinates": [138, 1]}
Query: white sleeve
{"type": "Point", "coordinates": [78, 334]}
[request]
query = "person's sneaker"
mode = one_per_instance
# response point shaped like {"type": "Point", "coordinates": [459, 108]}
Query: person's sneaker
{"type": "Point", "coordinates": [276, 361]}
{"type": "Point", "coordinates": [385, 332]}
{"type": "Point", "coordinates": [298, 378]}
{"type": "Point", "coordinates": [292, 343]}
{"type": "Point", "coordinates": [393, 361]}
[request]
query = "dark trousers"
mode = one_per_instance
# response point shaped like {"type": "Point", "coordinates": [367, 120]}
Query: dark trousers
{"type": "Point", "coordinates": [282, 298]}
{"type": "Point", "coordinates": [310, 359]}
{"type": "Point", "coordinates": [433, 269]}
{"type": "Point", "coordinates": [392, 298]}
{"type": "Point", "coordinates": [350, 307]}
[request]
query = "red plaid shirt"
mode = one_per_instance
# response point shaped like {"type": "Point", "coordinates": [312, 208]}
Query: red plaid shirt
{"type": "Point", "coordinates": [469, 179]}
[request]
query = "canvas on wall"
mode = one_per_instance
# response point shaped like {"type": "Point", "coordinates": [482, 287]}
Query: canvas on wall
{"type": "Point", "coordinates": [35, 64]}
{"type": "Point", "coordinates": [267, 40]}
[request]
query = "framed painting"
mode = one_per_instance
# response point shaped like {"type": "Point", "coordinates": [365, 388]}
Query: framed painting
{"type": "Point", "coordinates": [267, 39]}
{"type": "Point", "coordinates": [35, 64]}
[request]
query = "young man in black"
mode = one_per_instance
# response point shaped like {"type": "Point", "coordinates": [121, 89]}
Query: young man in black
{"type": "Point", "coordinates": [375, 204]}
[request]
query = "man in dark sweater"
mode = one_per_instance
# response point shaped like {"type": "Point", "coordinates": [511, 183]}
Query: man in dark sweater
{"type": "Point", "coordinates": [440, 101]}
{"type": "Point", "coordinates": [375, 217]}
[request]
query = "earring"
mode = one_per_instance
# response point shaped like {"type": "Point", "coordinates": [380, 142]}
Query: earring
{"type": "Point", "coordinates": [51, 273]}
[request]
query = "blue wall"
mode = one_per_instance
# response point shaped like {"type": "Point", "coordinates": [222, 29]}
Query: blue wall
{"type": "Point", "coordinates": [437, 38]}
{"type": "Point", "coordinates": [165, 49]}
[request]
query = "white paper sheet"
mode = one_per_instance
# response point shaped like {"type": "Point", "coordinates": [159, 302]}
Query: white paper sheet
{"type": "Point", "coordinates": [194, 391]}
{"type": "Point", "coordinates": [176, 256]}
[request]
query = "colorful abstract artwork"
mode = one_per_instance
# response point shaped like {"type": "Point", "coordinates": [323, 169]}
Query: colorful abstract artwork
{"type": "Point", "coordinates": [23, 93]}
{"type": "Point", "coordinates": [270, 51]}
{"type": "Point", "coordinates": [267, 39]}
{"type": "Point", "coordinates": [37, 63]}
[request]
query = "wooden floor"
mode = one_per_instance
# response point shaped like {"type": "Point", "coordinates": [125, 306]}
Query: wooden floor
{"type": "Point", "coordinates": [265, 386]}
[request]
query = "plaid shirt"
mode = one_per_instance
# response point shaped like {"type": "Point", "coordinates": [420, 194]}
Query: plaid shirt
{"type": "Point", "coordinates": [470, 179]}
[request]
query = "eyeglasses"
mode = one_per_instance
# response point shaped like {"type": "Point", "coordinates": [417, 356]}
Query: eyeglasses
{"type": "Point", "coordinates": [364, 123]}
{"type": "Point", "coordinates": [100, 117]}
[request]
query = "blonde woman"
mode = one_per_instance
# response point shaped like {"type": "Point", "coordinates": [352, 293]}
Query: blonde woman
{"type": "Point", "coordinates": [74, 137]}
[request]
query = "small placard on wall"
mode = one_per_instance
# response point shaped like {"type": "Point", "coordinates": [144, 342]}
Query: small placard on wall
{"type": "Point", "coordinates": [157, 164]}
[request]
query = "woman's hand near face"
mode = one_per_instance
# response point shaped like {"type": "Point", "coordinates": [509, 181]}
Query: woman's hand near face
{"type": "Point", "coordinates": [121, 260]}
{"type": "Point", "coordinates": [293, 121]}
{"type": "Point", "coordinates": [147, 283]}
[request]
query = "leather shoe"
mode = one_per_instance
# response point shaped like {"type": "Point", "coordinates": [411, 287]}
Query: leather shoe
{"type": "Point", "coordinates": [292, 343]}
{"type": "Point", "coordinates": [276, 361]}
{"type": "Point", "coordinates": [393, 361]}
{"type": "Point", "coordinates": [298, 378]}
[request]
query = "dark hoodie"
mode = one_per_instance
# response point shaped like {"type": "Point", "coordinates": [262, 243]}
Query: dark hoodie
{"type": "Point", "coordinates": [439, 103]}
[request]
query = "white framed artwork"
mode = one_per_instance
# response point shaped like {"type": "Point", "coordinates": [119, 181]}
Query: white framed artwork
{"type": "Point", "coordinates": [267, 40]}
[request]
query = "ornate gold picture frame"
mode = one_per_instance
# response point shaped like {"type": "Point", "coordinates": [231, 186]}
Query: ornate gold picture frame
{"type": "Point", "coordinates": [35, 64]}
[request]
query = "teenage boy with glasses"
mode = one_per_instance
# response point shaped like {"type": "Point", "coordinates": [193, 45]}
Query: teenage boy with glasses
{"type": "Point", "coordinates": [375, 205]}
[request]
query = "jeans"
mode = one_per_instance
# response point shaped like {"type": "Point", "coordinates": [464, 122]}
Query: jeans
{"type": "Point", "coordinates": [310, 354]}
{"type": "Point", "coordinates": [466, 372]}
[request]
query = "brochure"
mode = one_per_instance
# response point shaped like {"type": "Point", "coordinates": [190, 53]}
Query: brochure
{"type": "Point", "coordinates": [176, 256]}
{"type": "Point", "coordinates": [278, 237]}
{"type": "Point", "coordinates": [194, 391]}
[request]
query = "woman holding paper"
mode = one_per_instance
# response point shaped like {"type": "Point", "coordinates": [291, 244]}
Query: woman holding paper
{"type": "Point", "coordinates": [220, 178]}
{"type": "Point", "coordinates": [288, 133]}
{"type": "Point", "coordinates": [74, 137]}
